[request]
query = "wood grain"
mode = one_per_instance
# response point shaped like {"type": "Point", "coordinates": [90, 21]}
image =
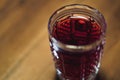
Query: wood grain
{"type": "Point", "coordinates": [24, 46]}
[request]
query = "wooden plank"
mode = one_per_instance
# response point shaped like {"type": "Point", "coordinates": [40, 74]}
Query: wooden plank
{"type": "Point", "coordinates": [24, 46]}
{"type": "Point", "coordinates": [22, 24]}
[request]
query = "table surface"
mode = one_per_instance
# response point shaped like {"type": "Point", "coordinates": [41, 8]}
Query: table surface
{"type": "Point", "coordinates": [24, 46]}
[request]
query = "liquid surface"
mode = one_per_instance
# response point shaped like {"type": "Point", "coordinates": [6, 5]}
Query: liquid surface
{"type": "Point", "coordinates": [76, 31]}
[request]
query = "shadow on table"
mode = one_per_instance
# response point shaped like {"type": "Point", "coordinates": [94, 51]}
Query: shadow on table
{"type": "Point", "coordinates": [100, 76]}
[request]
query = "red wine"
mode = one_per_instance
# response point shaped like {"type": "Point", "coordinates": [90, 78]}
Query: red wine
{"type": "Point", "coordinates": [77, 31]}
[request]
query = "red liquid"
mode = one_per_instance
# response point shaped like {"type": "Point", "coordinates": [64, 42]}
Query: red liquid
{"type": "Point", "coordinates": [77, 31]}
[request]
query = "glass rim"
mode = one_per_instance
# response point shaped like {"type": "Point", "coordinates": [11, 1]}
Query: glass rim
{"type": "Point", "coordinates": [76, 6]}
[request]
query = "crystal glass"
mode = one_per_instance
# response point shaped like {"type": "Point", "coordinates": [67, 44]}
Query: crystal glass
{"type": "Point", "coordinates": [77, 38]}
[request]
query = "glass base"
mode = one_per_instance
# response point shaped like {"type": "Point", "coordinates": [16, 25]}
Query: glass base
{"type": "Point", "coordinates": [90, 77]}
{"type": "Point", "coordinates": [100, 76]}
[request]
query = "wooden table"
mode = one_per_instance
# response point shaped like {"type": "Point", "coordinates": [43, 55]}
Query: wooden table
{"type": "Point", "coordinates": [24, 46]}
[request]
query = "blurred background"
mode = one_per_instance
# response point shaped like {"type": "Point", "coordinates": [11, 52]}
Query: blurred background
{"type": "Point", "coordinates": [24, 46]}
